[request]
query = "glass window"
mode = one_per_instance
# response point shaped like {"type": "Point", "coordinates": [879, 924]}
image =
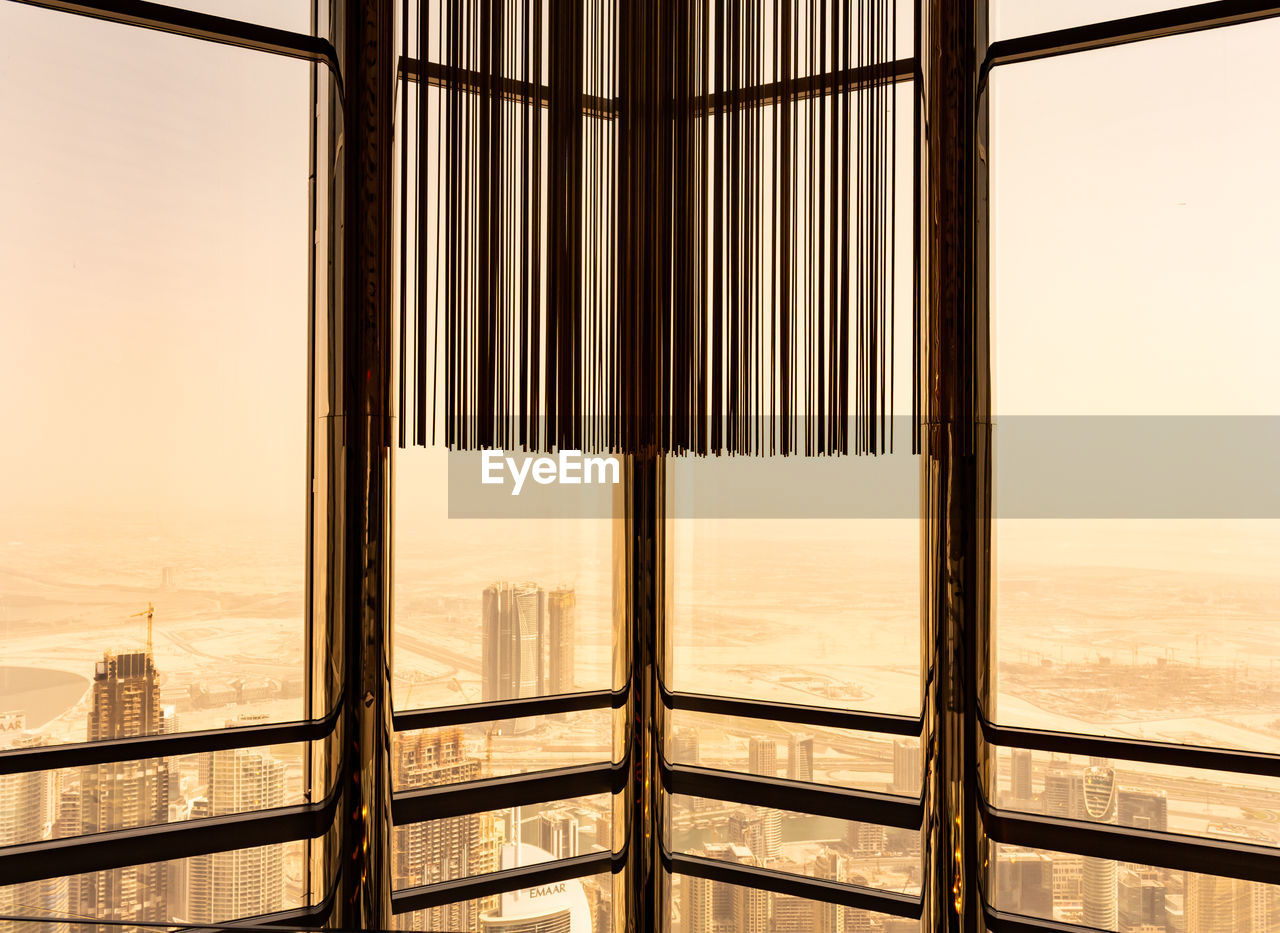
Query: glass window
{"type": "Point", "coordinates": [153, 353]}
{"type": "Point", "coordinates": [1132, 260]}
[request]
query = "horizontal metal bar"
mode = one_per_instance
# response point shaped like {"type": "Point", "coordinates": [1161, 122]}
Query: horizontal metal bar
{"type": "Point", "coordinates": [828, 82]}
{"type": "Point", "coordinates": [1115, 32]}
{"type": "Point", "coordinates": [999, 921]}
{"type": "Point", "coordinates": [799, 796]}
{"type": "Point", "coordinates": [499, 793]}
{"type": "Point", "coordinates": [887, 723]}
{"type": "Point", "coordinates": [465, 713]}
{"type": "Point", "coordinates": [514, 89]}
{"type": "Point", "coordinates": [814, 889]}
{"type": "Point", "coordinates": [1128, 844]}
{"type": "Point", "coordinates": [137, 748]}
{"type": "Point", "coordinates": [206, 26]}
{"type": "Point", "coordinates": [498, 882]}
{"type": "Point", "coordinates": [1163, 753]}
{"type": "Point", "coordinates": [75, 855]}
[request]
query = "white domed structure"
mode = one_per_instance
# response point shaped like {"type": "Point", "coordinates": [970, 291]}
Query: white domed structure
{"type": "Point", "coordinates": [560, 907]}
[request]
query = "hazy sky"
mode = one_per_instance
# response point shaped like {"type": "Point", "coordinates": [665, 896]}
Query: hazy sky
{"type": "Point", "coordinates": [154, 261]}
{"type": "Point", "coordinates": [152, 345]}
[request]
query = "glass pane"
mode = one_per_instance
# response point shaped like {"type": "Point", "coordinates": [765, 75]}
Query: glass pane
{"type": "Point", "coordinates": [293, 15]}
{"type": "Point", "coordinates": [476, 843]}
{"type": "Point", "coordinates": [128, 794]}
{"type": "Point", "coordinates": [1109, 895]}
{"type": "Point", "coordinates": [835, 757]}
{"type": "Point", "coordinates": [701, 906]}
{"type": "Point", "coordinates": [495, 609]}
{"type": "Point", "coordinates": [213, 888]}
{"type": "Point", "coordinates": [1013, 18]}
{"type": "Point", "coordinates": [799, 843]}
{"type": "Point", "coordinates": [1194, 802]}
{"type": "Point", "coordinates": [155, 262]}
{"type": "Point", "coordinates": [431, 757]}
{"type": "Point", "coordinates": [818, 612]}
{"type": "Point", "coordinates": [1132, 270]}
{"type": "Point", "coordinates": [579, 905]}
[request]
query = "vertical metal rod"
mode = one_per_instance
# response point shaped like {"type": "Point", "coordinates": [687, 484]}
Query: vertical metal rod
{"type": "Point", "coordinates": [354, 431]}
{"type": "Point", "coordinates": [640, 585]}
{"type": "Point", "coordinates": [956, 637]}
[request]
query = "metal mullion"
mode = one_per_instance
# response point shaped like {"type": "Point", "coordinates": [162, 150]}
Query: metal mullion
{"type": "Point", "coordinates": [206, 26]}
{"type": "Point", "coordinates": [886, 723]}
{"type": "Point", "coordinates": [75, 855]}
{"type": "Point", "coordinates": [488, 884]}
{"type": "Point", "coordinates": [468, 713]}
{"type": "Point", "coordinates": [799, 796]}
{"type": "Point", "coordinates": [815, 889]}
{"type": "Point", "coordinates": [138, 748]}
{"type": "Point", "coordinates": [1123, 31]}
{"type": "Point", "coordinates": [1219, 857]}
{"type": "Point", "coordinates": [498, 793]}
{"type": "Point", "coordinates": [1164, 753]}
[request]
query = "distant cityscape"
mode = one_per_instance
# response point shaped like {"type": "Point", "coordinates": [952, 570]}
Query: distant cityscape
{"type": "Point", "coordinates": [509, 640]}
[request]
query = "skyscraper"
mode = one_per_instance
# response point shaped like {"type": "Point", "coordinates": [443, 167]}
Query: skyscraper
{"type": "Point", "coordinates": [124, 795]}
{"type": "Point", "coordinates": [1024, 883]}
{"type": "Point", "coordinates": [1020, 774]}
{"type": "Point", "coordinates": [24, 810]}
{"type": "Point", "coordinates": [686, 748]}
{"type": "Point", "coordinates": [242, 882]}
{"type": "Point", "coordinates": [561, 609]}
{"type": "Point", "coordinates": [762, 757]}
{"type": "Point", "coordinates": [514, 632]}
{"type": "Point", "coordinates": [444, 849]}
{"type": "Point", "coordinates": [1098, 876]}
{"type": "Point", "coordinates": [1223, 905]}
{"type": "Point", "coordinates": [906, 767]}
{"type": "Point", "coordinates": [557, 833]}
{"type": "Point", "coordinates": [1140, 894]}
{"type": "Point", "coordinates": [800, 757]}
{"type": "Point", "coordinates": [1145, 809]}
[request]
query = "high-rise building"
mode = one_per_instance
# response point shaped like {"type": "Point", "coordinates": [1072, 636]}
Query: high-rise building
{"type": "Point", "coordinates": [686, 748]}
{"type": "Point", "coordinates": [796, 914]}
{"type": "Point", "coordinates": [906, 767]}
{"type": "Point", "coordinates": [697, 914]}
{"type": "Point", "coordinates": [1020, 774]}
{"type": "Point", "coordinates": [1024, 883]}
{"type": "Point", "coordinates": [1063, 792]}
{"type": "Point", "coordinates": [243, 882]}
{"type": "Point", "coordinates": [1145, 809]}
{"type": "Point", "coordinates": [561, 609]}
{"type": "Point", "coordinates": [514, 629]}
{"type": "Point", "coordinates": [741, 909]}
{"type": "Point", "coordinates": [800, 757]}
{"type": "Point", "coordinates": [24, 813]}
{"type": "Point", "coordinates": [1224, 905]}
{"type": "Point", "coordinates": [830, 865]}
{"type": "Point", "coordinates": [1141, 894]}
{"type": "Point", "coordinates": [123, 795]}
{"type": "Point", "coordinates": [762, 757]}
{"type": "Point", "coordinates": [758, 829]}
{"type": "Point", "coordinates": [1098, 875]}
{"type": "Point", "coordinates": [557, 833]}
{"type": "Point", "coordinates": [444, 849]}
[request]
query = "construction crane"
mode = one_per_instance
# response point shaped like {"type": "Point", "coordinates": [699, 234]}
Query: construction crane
{"type": "Point", "coordinates": [488, 733]}
{"type": "Point", "coordinates": [148, 612]}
